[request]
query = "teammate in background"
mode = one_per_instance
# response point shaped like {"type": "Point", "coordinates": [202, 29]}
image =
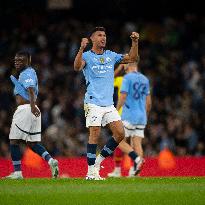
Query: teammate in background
{"type": "Point", "coordinates": [136, 102]}
{"type": "Point", "coordinates": [26, 123]}
{"type": "Point", "coordinates": [98, 68]}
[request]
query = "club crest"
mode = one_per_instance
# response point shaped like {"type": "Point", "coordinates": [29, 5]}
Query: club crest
{"type": "Point", "coordinates": [102, 60]}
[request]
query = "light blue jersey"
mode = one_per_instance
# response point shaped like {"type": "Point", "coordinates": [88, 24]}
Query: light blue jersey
{"type": "Point", "coordinates": [99, 76]}
{"type": "Point", "coordinates": [136, 85]}
{"type": "Point", "coordinates": [27, 78]}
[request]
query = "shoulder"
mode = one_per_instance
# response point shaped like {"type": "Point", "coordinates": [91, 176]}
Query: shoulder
{"type": "Point", "coordinates": [109, 52]}
{"type": "Point", "coordinates": [144, 77]}
{"type": "Point", "coordinates": [29, 72]}
{"type": "Point", "coordinates": [86, 53]}
{"type": "Point", "coordinates": [127, 77]}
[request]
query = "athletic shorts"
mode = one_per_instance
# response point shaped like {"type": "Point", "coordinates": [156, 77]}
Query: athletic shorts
{"type": "Point", "coordinates": [100, 116]}
{"type": "Point", "coordinates": [25, 125]}
{"type": "Point", "coordinates": [133, 130]}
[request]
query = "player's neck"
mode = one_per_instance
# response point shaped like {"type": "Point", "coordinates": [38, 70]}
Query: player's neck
{"type": "Point", "coordinates": [132, 71]}
{"type": "Point", "coordinates": [22, 69]}
{"type": "Point", "coordinates": [97, 50]}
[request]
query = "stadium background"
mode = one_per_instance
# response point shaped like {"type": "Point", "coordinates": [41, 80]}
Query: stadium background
{"type": "Point", "coordinates": [172, 55]}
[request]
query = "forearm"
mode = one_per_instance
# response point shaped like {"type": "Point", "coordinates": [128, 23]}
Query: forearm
{"type": "Point", "coordinates": [133, 54]}
{"type": "Point", "coordinates": [31, 97]}
{"type": "Point", "coordinates": [148, 105]}
{"type": "Point", "coordinates": [148, 111]}
{"type": "Point", "coordinates": [119, 105]}
{"type": "Point", "coordinates": [78, 62]}
{"type": "Point", "coordinates": [118, 70]}
{"type": "Point", "coordinates": [121, 101]}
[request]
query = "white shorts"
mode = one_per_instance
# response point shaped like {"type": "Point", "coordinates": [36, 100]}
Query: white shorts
{"type": "Point", "coordinates": [25, 125]}
{"type": "Point", "coordinates": [100, 116]}
{"type": "Point", "coordinates": [133, 130]}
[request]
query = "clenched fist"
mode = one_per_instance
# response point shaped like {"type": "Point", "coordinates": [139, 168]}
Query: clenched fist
{"type": "Point", "coordinates": [84, 43]}
{"type": "Point", "coordinates": [135, 36]}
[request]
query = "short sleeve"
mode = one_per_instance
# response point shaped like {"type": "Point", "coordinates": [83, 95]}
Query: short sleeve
{"type": "Point", "coordinates": [28, 80]}
{"type": "Point", "coordinates": [125, 85]}
{"type": "Point", "coordinates": [118, 58]}
{"type": "Point", "coordinates": [147, 91]}
{"type": "Point", "coordinates": [85, 57]}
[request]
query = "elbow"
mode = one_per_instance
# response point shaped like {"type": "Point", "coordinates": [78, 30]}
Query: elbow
{"type": "Point", "coordinates": [135, 58]}
{"type": "Point", "coordinates": [132, 59]}
{"type": "Point", "coordinates": [76, 68]}
{"type": "Point", "coordinates": [149, 107]}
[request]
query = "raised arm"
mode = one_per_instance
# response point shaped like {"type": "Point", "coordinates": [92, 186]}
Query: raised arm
{"type": "Point", "coordinates": [133, 54]}
{"type": "Point", "coordinates": [79, 63]}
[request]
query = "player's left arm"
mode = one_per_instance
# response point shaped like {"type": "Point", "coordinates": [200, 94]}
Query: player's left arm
{"type": "Point", "coordinates": [119, 70]}
{"type": "Point", "coordinates": [148, 99]}
{"type": "Point", "coordinates": [148, 104]}
{"type": "Point", "coordinates": [133, 53]}
{"type": "Point", "coordinates": [29, 81]}
{"type": "Point", "coordinates": [121, 100]}
{"type": "Point", "coordinates": [34, 109]}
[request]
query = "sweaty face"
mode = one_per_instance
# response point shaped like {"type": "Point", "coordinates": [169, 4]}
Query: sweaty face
{"type": "Point", "coordinates": [99, 39]}
{"type": "Point", "coordinates": [20, 62]}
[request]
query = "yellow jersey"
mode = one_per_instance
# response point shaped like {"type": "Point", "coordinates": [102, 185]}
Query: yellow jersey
{"type": "Point", "coordinates": [118, 84]}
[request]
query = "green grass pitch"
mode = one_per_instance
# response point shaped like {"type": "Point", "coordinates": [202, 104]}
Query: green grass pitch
{"type": "Point", "coordinates": [132, 191]}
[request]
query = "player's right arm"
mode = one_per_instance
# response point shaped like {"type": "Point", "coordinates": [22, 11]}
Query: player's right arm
{"type": "Point", "coordinates": [123, 92]}
{"type": "Point", "coordinates": [121, 100]}
{"type": "Point", "coordinates": [148, 99]}
{"type": "Point", "coordinates": [79, 63]}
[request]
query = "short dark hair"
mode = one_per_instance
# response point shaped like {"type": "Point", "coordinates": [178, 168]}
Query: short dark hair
{"type": "Point", "coordinates": [98, 28]}
{"type": "Point", "coordinates": [26, 54]}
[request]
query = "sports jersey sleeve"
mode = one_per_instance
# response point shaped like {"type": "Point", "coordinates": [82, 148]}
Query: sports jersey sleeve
{"type": "Point", "coordinates": [28, 80]}
{"type": "Point", "coordinates": [117, 57]}
{"type": "Point", "coordinates": [147, 91]}
{"type": "Point", "coordinates": [125, 85]}
{"type": "Point", "coordinates": [85, 56]}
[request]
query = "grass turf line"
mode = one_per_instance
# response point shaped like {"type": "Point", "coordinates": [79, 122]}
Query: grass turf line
{"type": "Point", "coordinates": [143, 191]}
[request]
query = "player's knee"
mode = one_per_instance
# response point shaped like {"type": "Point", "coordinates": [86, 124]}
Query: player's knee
{"type": "Point", "coordinates": [120, 135]}
{"type": "Point", "coordinates": [14, 142]}
{"type": "Point", "coordinates": [94, 135]}
{"type": "Point", "coordinates": [31, 144]}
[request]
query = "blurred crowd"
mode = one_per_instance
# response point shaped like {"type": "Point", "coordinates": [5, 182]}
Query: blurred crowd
{"type": "Point", "coordinates": [172, 55]}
